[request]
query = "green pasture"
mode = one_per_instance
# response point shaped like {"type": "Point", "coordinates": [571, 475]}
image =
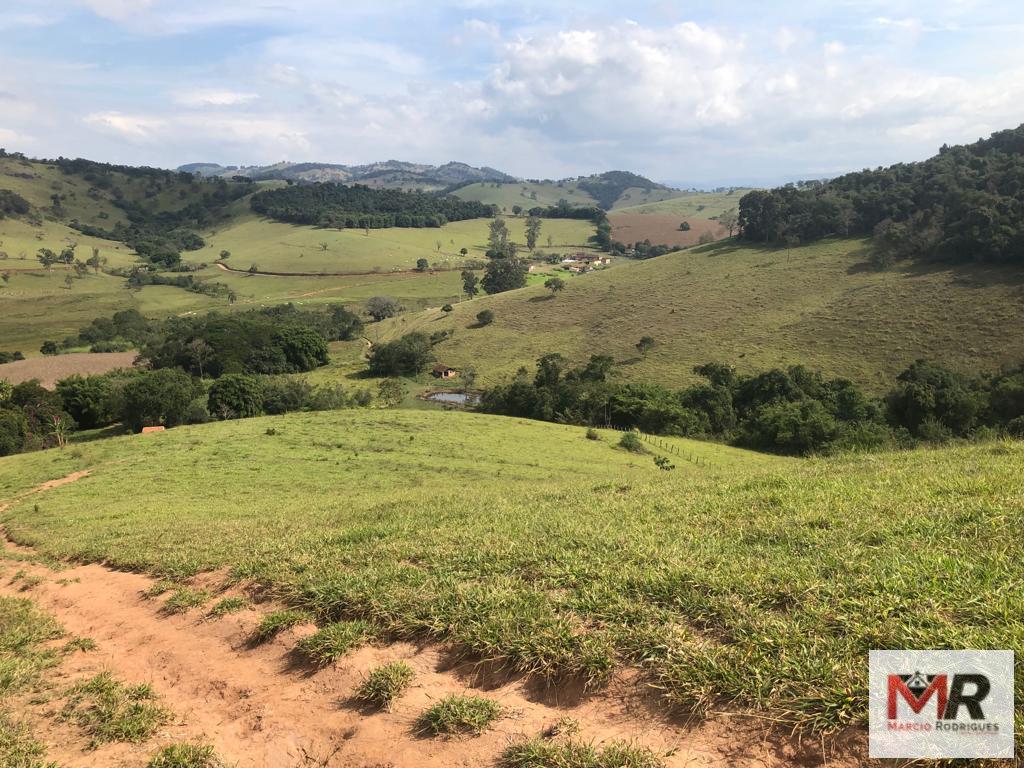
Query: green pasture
{"type": "Point", "coordinates": [702, 205]}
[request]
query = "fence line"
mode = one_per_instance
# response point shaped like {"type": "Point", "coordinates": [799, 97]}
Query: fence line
{"type": "Point", "coordinates": [666, 447]}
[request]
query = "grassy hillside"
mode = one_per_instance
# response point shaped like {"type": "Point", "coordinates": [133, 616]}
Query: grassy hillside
{"type": "Point", "coordinates": [275, 246]}
{"type": "Point", "coordinates": [529, 194]}
{"type": "Point", "coordinates": [702, 205]}
{"type": "Point", "coordinates": [751, 580]}
{"type": "Point", "coordinates": [755, 307]}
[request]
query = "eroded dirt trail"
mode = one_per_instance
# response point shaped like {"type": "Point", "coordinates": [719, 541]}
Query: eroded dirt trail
{"type": "Point", "coordinates": [261, 708]}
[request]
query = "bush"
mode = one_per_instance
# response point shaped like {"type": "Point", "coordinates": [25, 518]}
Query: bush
{"type": "Point", "coordinates": [236, 396]}
{"type": "Point", "coordinates": [88, 400]}
{"type": "Point", "coordinates": [631, 442]}
{"type": "Point", "coordinates": [592, 434]}
{"type": "Point", "coordinates": [383, 307]}
{"type": "Point", "coordinates": [159, 398]}
{"type": "Point", "coordinates": [486, 317]}
{"type": "Point", "coordinates": [406, 356]}
{"type": "Point", "coordinates": [50, 348]}
{"type": "Point", "coordinates": [447, 308]}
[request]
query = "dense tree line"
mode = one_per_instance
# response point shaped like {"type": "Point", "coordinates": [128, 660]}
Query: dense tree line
{"type": "Point", "coordinates": [13, 204]}
{"type": "Point", "coordinates": [965, 203]}
{"type": "Point", "coordinates": [357, 206]}
{"type": "Point", "coordinates": [793, 411]}
{"type": "Point", "coordinates": [565, 211]}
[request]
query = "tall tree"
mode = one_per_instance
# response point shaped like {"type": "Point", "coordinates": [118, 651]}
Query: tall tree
{"type": "Point", "coordinates": [532, 231]}
{"type": "Point", "coordinates": [503, 275]}
{"type": "Point", "coordinates": [470, 283]}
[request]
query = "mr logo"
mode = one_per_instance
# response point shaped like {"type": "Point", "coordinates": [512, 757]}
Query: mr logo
{"type": "Point", "coordinates": [953, 704]}
{"type": "Point", "coordinates": [966, 690]}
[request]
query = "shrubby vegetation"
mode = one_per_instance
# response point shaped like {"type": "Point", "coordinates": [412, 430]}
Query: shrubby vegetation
{"type": "Point", "coordinates": [965, 204]}
{"type": "Point", "coordinates": [31, 418]}
{"type": "Point", "coordinates": [357, 206]}
{"type": "Point", "coordinates": [792, 411]}
{"type": "Point", "coordinates": [406, 356]}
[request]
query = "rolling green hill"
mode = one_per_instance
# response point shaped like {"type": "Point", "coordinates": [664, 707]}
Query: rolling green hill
{"type": "Point", "coordinates": [753, 307]}
{"type": "Point", "coordinates": [702, 205]}
{"type": "Point", "coordinates": [749, 580]}
{"type": "Point", "coordinates": [530, 194]}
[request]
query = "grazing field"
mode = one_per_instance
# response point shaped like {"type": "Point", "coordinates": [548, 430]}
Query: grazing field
{"type": "Point", "coordinates": [661, 229]}
{"type": "Point", "coordinates": [277, 247]}
{"type": "Point", "coordinates": [529, 194]}
{"type": "Point", "coordinates": [49, 370]}
{"type": "Point", "coordinates": [698, 204]}
{"type": "Point", "coordinates": [746, 582]}
{"type": "Point", "coordinates": [753, 307]}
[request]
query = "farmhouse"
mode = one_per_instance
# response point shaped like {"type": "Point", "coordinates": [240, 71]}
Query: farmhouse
{"type": "Point", "coordinates": [444, 372]}
{"type": "Point", "coordinates": [588, 259]}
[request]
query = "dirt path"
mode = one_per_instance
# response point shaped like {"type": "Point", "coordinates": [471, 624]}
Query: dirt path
{"type": "Point", "coordinates": [261, 708]}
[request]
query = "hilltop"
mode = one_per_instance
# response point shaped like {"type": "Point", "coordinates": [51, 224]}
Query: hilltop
{"type": "Point", "coordinates": [389, 173]}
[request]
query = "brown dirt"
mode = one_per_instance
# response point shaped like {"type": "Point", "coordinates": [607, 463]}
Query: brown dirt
{"type": "Point", "coordinates": [660, 229]}
{"type": "Point", "coordinates": [51, 369]}
{"type": "Point", "coordinates": [261, 707]}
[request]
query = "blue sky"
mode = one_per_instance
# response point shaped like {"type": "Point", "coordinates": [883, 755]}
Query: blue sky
{"type": "Point", "coordinates": [688, 93]}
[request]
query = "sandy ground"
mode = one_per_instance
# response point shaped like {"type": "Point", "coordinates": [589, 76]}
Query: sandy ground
{"type": "Point", "coordinates": [660, 229]}
{"type": "Point", "coordinates": [260, 706]}
{"type": "Point", "coordinates": [51, 369]}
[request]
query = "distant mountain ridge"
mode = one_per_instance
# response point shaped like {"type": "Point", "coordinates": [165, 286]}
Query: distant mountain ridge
{"type": "Point", "coordinates": [390, 173]}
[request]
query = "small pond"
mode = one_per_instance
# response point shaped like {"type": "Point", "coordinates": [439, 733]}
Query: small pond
{"type": "Point", "coordinates": [458, 398]}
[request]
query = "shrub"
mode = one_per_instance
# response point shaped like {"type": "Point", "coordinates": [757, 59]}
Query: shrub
{"type": "Point", "coordinates": [486, 317]}
{"type": "Point", "coordinates": [383, 307]}
{"type": "Point", "coordinates": [631, 442]}
{"type": "Point", "coordinates": [447, 308]}
{"type": "Point", "coordinates": [385, 684]}
{"type": "Point", "coordinates": [593, 434]}
{"type": "Point", "coordinates": [87, 400]}
{"type": "Point", "coordinates": [236, 396]}
{"type": "Point", "coordinates": [459, 714]}
{"type": "Point", "coordinates": [50, 348]}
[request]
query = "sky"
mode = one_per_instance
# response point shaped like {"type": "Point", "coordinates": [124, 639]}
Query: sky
{"type": "Point", "coordinates": [692, 94]}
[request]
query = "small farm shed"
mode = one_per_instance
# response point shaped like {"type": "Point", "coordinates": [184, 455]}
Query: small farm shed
{"type": "Point", "coordinates": [444, 371]}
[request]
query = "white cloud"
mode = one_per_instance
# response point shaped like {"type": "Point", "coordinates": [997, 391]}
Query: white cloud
{"type": "Point", "coordinates": [132, 127]}
{"type": "Point", "coordinates": [212, 97]}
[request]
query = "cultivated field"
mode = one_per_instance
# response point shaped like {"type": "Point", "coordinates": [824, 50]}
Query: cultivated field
{"type": "Point", "coordinates": [661, 229]}
{"type": "Point", "coordinates": [753, 307]}
{"type": "Point", "coordinates": [744, 583]}
{"type": "Point", "coordinates": [51, 369]}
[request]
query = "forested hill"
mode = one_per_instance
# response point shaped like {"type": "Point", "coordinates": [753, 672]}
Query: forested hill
{"type": "Point", "coordinates": [965, 203]}
{"type": "Point", "coordinates": [336, 205]}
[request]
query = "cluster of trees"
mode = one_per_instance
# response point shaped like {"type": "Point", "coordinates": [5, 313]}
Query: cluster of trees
{"type": "Point", "coordinates": [357, 206]}
{"type": "Point", "coordinates": [608, 187]}
{"type": "Point", "coordinates": [31, 418]}
{"type": "Point", "coordinates": [274, 340]}
{"type": "Point", "coordinates": [139, 277]}
{"type": "Point", "coordinates": [13, 204]}
{"type": "Point", "coordinates": [563, 210]}
{"type": "Point", "coordinates": [966, 203]}
{"type": "Point", "coordinates": [792, 411]}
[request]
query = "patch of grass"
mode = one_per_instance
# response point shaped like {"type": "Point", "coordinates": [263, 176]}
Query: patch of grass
{"type": "Point", "coordinates": [80, 644]}
{"type": "Point", "coordinates": [276, 622]}
{"type": "Point", "coordinates": [572, 754]}
{"type": "Point", "coordinates": [384, 684]}
{"type": "Point", "coordinates": [185, 599]}
{"type": "Point", "coordinates": [30, 582]}
{"type": "Point", "coordinates": [334, 641]}
{"type": "Point", "coordinates": [160, 587]}
{"type": "Point", "coordinates": [24, 630]}
{"type": "Point", "coordinates": [564, 727]}
{"type": "Point", "coordinates": [185, 756]}
{"type": "Point", "coordinates": [18, 748]}
{"type": "Point", "coordinates": [454, 715]}
{"type": "Point", "coordinates": [228, 605]}
{"type": "Point", "coordinates": [110, 711]}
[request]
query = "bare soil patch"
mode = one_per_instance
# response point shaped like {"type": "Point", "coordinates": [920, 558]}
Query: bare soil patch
{"type": "Point", "coordinates": [661, 229]}
{"type": "Point", "coordinates": [51, 369]}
